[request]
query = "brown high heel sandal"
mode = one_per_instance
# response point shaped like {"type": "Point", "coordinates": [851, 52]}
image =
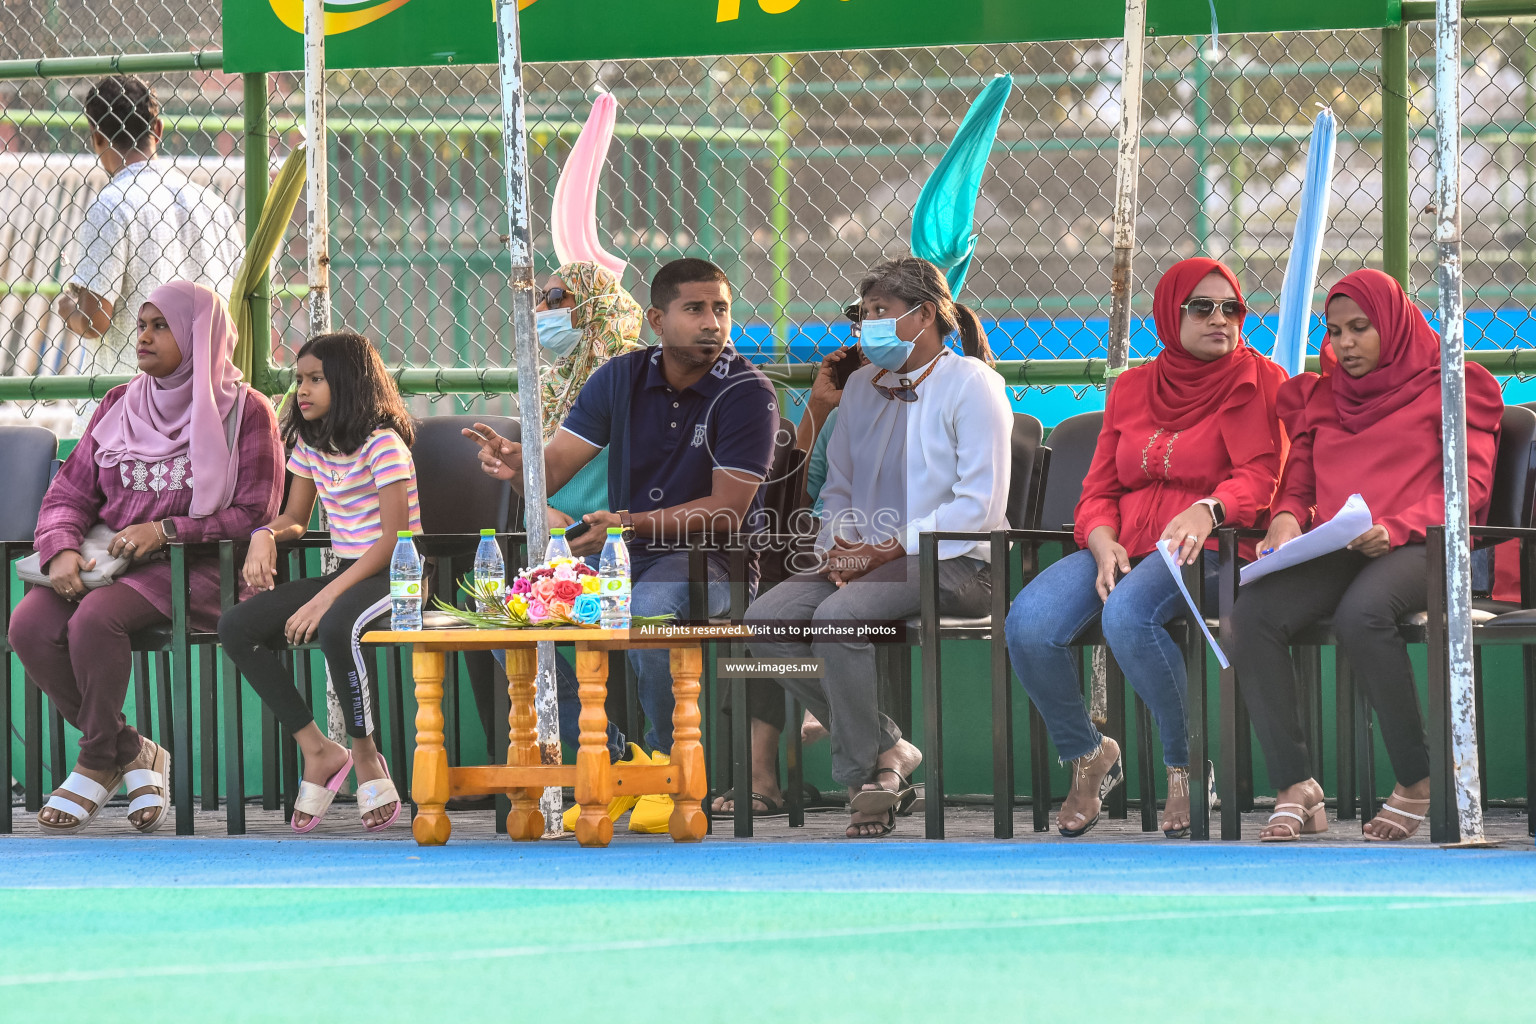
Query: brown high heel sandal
{"type": "Point", "coordinates": [1403, 831]}
{"type": "Point", "coordinates": [1292, 821]}
{"type": "Point", "coordinates": [1099, 771]}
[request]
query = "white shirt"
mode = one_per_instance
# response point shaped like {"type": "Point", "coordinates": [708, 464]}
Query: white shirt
{"type": "Point", "coordinates": [149, 224]}
{"type": "Point", "coordinates": [956, 444]}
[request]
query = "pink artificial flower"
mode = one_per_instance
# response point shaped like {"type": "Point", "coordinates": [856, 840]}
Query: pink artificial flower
{"type": "Point", "coordinates": [538, 611]}
{"type": "Point", "coordinates": [565, 572]}
{"type": "Point", "coordinates": [521, 585]}
{"type": "Point", "coordinates": [544, 589]}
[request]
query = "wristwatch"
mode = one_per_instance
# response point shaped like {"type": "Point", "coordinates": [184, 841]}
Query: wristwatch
{"type": "Point", "coordinates": [1218, 514]}
{"type": "Point", "coordinates": [627, 524]}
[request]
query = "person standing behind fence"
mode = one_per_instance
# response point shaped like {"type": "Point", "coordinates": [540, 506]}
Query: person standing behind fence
{"type": "Point", "coordinates": [1190, 442]}
{"type": "Point", "coordinates": [149, 224]}
{"type": "Point", "coordinates": [352, 437]}
{"type": "Point", "coordinates": [185, 451]}
{"type": "Point", "coordinates": [921, 445]}
{"type": "Point", "coordinates": [1369, 426]}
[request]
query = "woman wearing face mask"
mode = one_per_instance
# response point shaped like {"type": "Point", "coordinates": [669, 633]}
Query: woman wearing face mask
{"type": "Point", "coordinates": [1191, 441]}
{"type": "Point", "coordinates": [1369, 426]}
{"type": "Point", "coordinates": [921, 445]}
{"type": "Point", "coordinates": [584, 318]}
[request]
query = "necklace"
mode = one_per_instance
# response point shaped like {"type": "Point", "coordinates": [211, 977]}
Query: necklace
{"type": "Point", "coordinates": [906, 391]}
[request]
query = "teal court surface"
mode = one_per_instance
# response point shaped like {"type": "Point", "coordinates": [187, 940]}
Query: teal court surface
{"type": "Point", "coordinates": [335, 929]}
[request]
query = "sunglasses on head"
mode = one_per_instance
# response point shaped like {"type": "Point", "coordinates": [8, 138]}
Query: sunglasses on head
{"type": "Point", "coordinates": [1204, 309]}
{"type": "Point", "coordinates": [552, 297]}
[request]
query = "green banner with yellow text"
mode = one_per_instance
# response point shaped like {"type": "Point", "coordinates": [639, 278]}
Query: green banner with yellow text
{"type": "Point", "coordinates": [266, 35]}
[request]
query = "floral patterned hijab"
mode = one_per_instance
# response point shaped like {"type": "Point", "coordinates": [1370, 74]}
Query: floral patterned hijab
{"type": "Point", "coordinates": [609, 320]}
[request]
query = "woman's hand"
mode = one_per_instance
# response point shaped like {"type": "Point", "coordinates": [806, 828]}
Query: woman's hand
{"type": "Point", "coordinates": [1373, 543]}
{"type": "Point", "coordinates": [260, 569]}
{"type": "Point", "coordinates": [1111, 557]}
{"type": "Point", "coordinates": [136, 542]}
{"type": "Point", "coordinates": [303, 623]}
{"type": "Point", "coordinates": [825, 394]}
{"type": "Point", "coordinates": [64, 571]}
{"type": "Point", "coordinates": [1283, 529]}
{"type": "Point", "coordinates": [1189, 529]}
{"type": "Point", "coordinates": [847, 561]}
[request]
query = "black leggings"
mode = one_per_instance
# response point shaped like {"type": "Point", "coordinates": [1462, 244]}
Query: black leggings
{"type": "Point", "coordinates": [252, 633]}
{"type": "Point", "coordinates": [1367, 597]}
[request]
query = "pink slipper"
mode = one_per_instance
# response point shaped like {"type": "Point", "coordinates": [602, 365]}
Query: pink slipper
{"type": "Point", "coordinates": [373, 795]}
{"type": "Point", "coordinates": [315, 800]}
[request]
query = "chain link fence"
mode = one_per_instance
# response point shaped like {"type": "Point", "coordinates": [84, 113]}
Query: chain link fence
{"type": "Point", "coordinates": [795, 173]}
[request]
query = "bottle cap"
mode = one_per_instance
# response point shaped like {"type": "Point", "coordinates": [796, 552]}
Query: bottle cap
{"type": "Point", "coordinates": [558, 531]}
{"type": "Point", "coordinates": [487, 533]}
{"type": "Point", "coordinates": [615, 531]}
{"type": "Point", "coordinates": [404, 534]}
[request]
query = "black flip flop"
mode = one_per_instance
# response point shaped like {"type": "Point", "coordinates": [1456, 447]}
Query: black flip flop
{"type": "Point", "coordinates": [774, 808]}
{"type": "Point", "coordinates": [886, 827]}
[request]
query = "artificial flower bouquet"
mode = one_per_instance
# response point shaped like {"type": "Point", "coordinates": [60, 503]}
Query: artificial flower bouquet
{"type": "Point", "coordinates": [559, 593]}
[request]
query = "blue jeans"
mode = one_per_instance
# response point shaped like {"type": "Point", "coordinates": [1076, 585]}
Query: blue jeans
{"type": "Point", "coordinates": [660, 588]}
{"type": "Point", "coordinates": [1059, 604]}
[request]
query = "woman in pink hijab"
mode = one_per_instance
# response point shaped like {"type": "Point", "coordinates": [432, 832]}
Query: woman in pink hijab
{"type": "Point", "coordinates": [185, 451]}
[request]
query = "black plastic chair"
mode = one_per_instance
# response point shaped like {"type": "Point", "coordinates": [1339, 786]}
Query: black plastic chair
{"type": "Point", "coordinates": [1029, 461]}
{"type": "Point", "coordinates": [26, 464]}
{"type": "Point", "coordinates": [1511, 511]}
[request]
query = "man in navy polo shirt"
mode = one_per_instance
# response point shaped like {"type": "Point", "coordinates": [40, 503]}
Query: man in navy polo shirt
{"type": "Point", "coordinates": [691, 426]}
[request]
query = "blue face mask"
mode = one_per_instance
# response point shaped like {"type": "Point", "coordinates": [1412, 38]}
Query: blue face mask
{"type": "Point", "coordinates": [881, 346]}
{"type": "Point", "coordinates": [557, 335]}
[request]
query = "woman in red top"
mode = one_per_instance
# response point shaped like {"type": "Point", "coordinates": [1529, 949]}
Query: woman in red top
{"type": "Point", "coordinates": [1190, 441]}
{"type": "Point", "coordinates": [1374, 430]}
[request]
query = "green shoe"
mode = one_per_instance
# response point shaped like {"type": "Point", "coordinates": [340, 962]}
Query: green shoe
{"type": "Point", "coordinates": [619, 805]}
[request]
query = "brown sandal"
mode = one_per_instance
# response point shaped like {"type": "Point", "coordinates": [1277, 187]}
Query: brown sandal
{"type": "Point", "coordinates": [1098, 772]}
{"type": "Point", "coordinates": [1406, 831]}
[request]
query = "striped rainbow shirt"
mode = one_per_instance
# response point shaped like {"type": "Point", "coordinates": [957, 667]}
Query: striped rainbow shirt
{"type": "Point", "coordinates": [349, 486]}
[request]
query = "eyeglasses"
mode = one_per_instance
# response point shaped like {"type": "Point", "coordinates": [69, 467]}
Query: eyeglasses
{"type": "Point", "coordinates": [1203, 309]}
{"type": "Point", "coordinates": [553, 296]}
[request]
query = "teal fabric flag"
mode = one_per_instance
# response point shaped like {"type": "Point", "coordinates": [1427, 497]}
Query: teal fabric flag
{"type": "Point", "coordinates": [946, 208]}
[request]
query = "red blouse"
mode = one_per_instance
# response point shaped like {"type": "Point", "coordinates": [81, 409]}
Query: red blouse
{"type": "Point", "coordinates": [1143, 475]}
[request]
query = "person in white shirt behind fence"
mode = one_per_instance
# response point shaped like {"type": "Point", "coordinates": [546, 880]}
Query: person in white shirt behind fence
{"type": "Point", "coordinates": [921, 445]}
{"type": "Point", "coordinates": [149, 224]}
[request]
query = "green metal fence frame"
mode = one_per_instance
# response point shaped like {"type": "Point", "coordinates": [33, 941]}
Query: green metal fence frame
{"type": "Point", "coordinates": [257, 126]}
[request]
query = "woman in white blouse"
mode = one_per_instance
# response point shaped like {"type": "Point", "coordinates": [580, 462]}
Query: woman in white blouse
{"type": "Point", "coordinates": [921, 445]}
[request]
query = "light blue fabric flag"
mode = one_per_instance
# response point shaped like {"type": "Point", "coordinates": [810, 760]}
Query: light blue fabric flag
{"type": "Point", "coordinates": [946, 208]}
{"type": "Point", "coordinates": [1306, 248]}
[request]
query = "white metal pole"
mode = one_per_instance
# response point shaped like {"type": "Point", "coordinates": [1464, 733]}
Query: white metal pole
{"type": "Point", "coordinates": [1118, 345]}
{"type": "Point", "coordinates": [1127, 171]}
{"type": "Point", "coordinates": [1458, 555]}
{"type": "Point", "coordinates": [529, 403]}
{"type": "Point", "coordinates": [319, 221]}
{"type": "Point", "coordinates": [318, 239]}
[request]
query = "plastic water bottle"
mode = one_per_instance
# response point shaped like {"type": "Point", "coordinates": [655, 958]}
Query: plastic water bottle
{"type": "Point", "coordinates": [405, 588]}
{"type": "Point", "coordinates": [613, 581]}
{"type": "Point", "coordinates": [490, 571]}
{"type": "Point", "coordinates": [559, 547]}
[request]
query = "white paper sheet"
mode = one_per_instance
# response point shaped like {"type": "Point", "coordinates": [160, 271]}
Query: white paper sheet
{"type": "Point", "coordinates": [1334, 535]}
{"type": "Point", "coordinates": [1166, 549]}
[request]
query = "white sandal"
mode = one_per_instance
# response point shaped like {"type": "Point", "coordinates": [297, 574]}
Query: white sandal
{"type": "Point", "coordinates": [87, 789]}
{"type": "Point", "coordinates": [139, 778]}
{"type": "Point", "coordinates": [373, 795]}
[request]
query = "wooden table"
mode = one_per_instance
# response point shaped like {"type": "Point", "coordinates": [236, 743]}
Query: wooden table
{"type": "Point", "coordinates": [523, 778]}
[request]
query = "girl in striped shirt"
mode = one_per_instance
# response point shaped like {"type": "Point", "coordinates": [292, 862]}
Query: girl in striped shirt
{"type": "Point", "coordinates": [351, 437]}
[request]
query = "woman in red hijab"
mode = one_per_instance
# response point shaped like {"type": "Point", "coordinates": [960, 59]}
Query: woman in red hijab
{"type": "Point", "coordinates": [1370, 426]}
{"type": "Point", "coordinates": [1190, 441]}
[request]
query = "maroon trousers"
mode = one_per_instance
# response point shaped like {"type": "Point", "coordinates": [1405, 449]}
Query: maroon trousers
{"type": "Point", "coordinates": [79, 654]}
